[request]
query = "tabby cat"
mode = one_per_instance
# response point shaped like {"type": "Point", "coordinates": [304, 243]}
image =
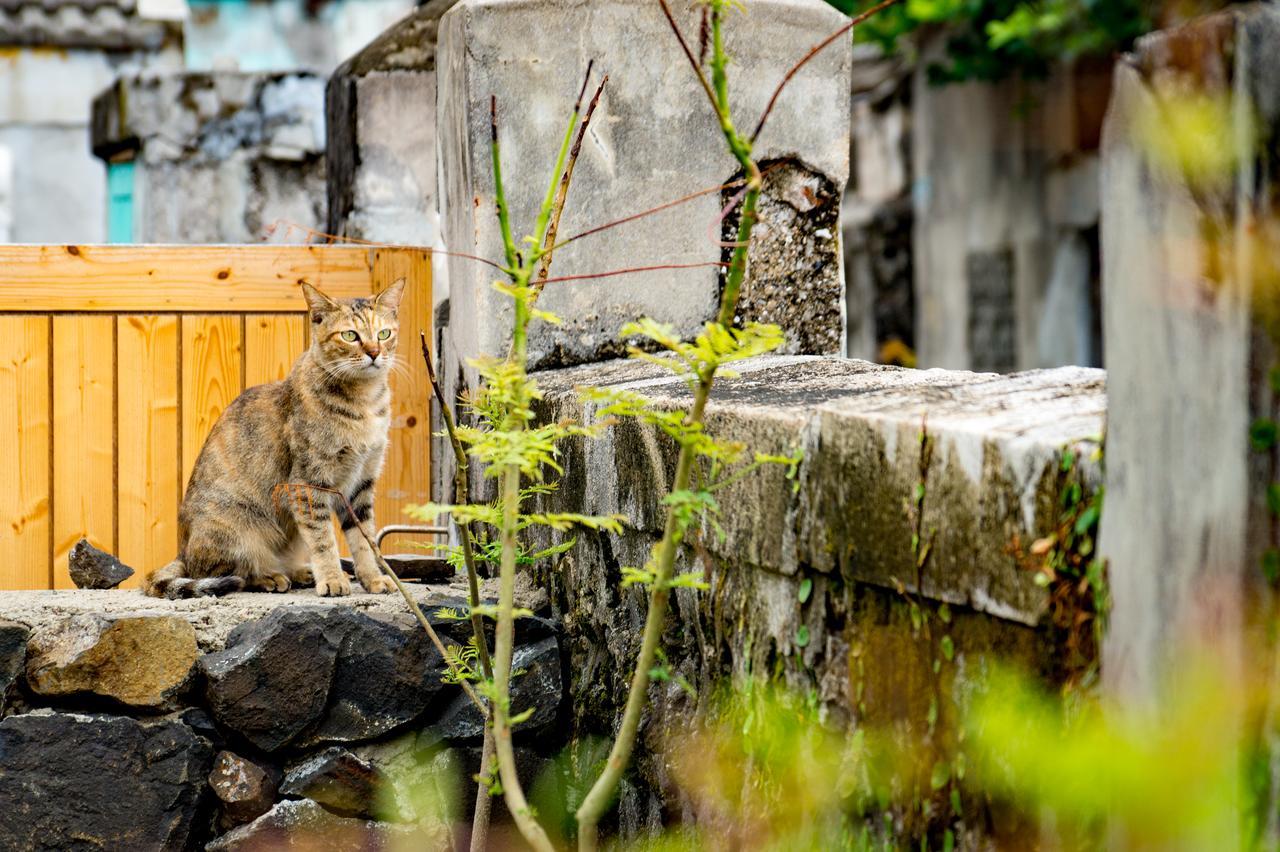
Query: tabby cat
{"type": "Point", "coordinates": [325, 424]}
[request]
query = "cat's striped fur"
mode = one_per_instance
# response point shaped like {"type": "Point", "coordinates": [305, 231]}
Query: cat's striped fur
{"type": "Point", "coordinates": [325, 424]}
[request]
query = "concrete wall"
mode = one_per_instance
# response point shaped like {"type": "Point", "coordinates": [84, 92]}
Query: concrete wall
{"type": "Point", "coordinates": [57, 189]}
{"type": "Point", "coordinates": [1006, 213]}
{"type": "Point", "coordinates": [993, 478]}
{"type": "Point", "coordinates": [220, 158]}
{"type": "Point", "coordinates": [277, 35]}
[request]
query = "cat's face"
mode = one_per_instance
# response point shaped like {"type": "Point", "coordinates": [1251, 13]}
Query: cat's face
{"type": "Point", "coordinates": [355, 338]}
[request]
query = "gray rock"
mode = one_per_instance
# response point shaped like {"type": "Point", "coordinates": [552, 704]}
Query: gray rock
{"type": "Point", "coordinates": [13, 653]}
{"type": "Point", "coordinates": [537, 684]}
{"type": "Point", "coordinates": [272, 680]}
{"type": "Point", "coordinates": [410, 566]}
{"type": "Point", "coordinates": [92, 568]}
{"type": "Point", "coordinates": [340, 782]}
{"type": "Point", "coordinates": [145, 662]}
{"type": "Point", "coordinates": [245, 788]}
{"type": "Point", "coordinates": [304, 825]}
{"type": "Point", "coordinates": [69, 781]}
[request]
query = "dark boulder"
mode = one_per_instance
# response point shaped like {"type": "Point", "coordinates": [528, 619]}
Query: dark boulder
{"type": "Point", "coordinates": [304, 825]}
{"type": "Point", "coordinates": [92, 568]}
{"type": "Point", "coordinates": [535, 683]}
{"type": "Point", "coordinates": [13, 655]}
{"type": "Point", "coordinates": [340, 782]}
{"type": "Point", "coordinates": [70, 781]}
{"type": "Point", "coordinates": [271, 681]}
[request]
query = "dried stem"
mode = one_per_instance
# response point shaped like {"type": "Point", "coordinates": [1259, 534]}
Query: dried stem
{"type": "Point", "coordinates": [294, 489]}
{"type": "Point", "coordinates": [814, 51]}
{"type": "Point", "coordinates": [562, 192]}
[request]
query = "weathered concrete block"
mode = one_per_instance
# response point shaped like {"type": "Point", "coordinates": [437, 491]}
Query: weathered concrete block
{"type": "Point", "coordinates": [1190, 337]}
{"type": "Point", "coordinates": [653, 140]}
{"type": "Point", "coordinates": [221, 157]}
{"type": "Point", "coordinates": [380, 108]}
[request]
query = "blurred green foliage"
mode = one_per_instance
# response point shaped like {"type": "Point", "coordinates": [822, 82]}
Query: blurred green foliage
{"type": "Point", "coordinates": [993, 39]}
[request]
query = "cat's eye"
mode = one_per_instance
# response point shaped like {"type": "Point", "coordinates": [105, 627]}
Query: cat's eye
{"type": "Point", "coordinates": [350, 336]}
{"type": "Point", "coordinates": [385, 334]}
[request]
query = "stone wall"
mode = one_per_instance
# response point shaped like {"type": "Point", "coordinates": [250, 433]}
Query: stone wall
{"type": "Point", "coordinates": [993, 479]}
{"type": "Point", "coordinates": [249, 147]}
{"type": "Point", "coordinates": [128, 722]}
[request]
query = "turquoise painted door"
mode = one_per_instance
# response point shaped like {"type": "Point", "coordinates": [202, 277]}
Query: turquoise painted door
{"type": "Point", "coordinates": [120, 202]}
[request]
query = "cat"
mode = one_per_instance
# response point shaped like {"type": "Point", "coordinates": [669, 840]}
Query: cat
{"type": "Point", "coordinates": [325, 424]}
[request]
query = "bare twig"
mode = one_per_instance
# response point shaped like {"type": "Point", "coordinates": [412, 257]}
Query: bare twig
{"type": "Point", "coordinates": [296, 489]}
{"type": "Point", "coordinates": [632, 269]}
{"type": "Point", "coordinates": [813, 51]}
{"type": "Point", "coordinates": [693, 60]}
{"type": "Point", "coordinates": [562, 192]}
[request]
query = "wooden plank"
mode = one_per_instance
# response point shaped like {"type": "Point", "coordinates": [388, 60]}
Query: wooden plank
{"type": "Point", "coordinates": [84, 451]}
{"type": "Point", "coordinates": [272, 342]}
{"type": "Point", "coordinates": [142, 279]}
{"type": "Point", "coordinates": [148, 441]}
{"type": "Point", "coordinates": [211, 348]}
{"type": "Point", "coordinates": [406, 478]}
{"type": "Point", "coordinates": [24, 448]}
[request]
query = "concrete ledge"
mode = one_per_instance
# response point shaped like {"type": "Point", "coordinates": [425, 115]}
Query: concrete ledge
{"type": "Point", "coordinates": [994, 476]}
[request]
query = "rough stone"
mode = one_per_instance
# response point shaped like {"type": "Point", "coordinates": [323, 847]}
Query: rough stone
{"type": "Point", "coordinates": [301, 824]}
{"type": "Point", "coordinates": [538, 686]}
{"type": "Point", "coordinates": [340, 782]}
{"type": "Point", "coordinates": [69, 781]}
{"type": "Point", "coordinates": [92, 568]}
{"type": "Point", "coordinates": [272, 680]}
{"type": "Point", "coordinates": [145, 662]}
{"type": "Point", "coordinates": [387, 673]}
{"type": "Point", "coordinates": [13, 654]}
{"type": "Point", "coordinates": [408, 566]}
{"type": "Point", "coordinates": [246, 788]}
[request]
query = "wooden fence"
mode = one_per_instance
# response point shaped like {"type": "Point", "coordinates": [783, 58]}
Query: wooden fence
{"type": "Point", "coordinates": [115, 361]}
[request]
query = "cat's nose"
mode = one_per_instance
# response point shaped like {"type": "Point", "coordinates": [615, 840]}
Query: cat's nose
{"type": "Point", "coordinates": [373, 352]}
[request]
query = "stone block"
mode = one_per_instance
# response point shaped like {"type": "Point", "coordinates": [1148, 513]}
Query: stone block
{"type": "Point", "coordinates": [71, 781]}
{"type": "Point", "coordinates": [1190, 339]}
{"type": "Point", "coordinates": [245, 788]}
{"type": "Point", "coordinates": [654, 139]}
{"type": "Point", "coordinates": [339, 782]}
{"type": "Point", "coordinates": [301, 824]}
{"type": "Point", "coordinates": [92, 568]}
{"type": "Point", "coordinates": [146, 662]}
{"type": "Point", "coordinates": [13, 655]}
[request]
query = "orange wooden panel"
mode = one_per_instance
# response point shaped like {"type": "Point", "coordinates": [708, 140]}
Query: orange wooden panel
{"type": "Point", "coordinates": [24, 453]}
{"type": "Point", "coordinates": [147, 440]}
{"type": "Point", "coordinates": [143, 279]}
{"type": "Point", "coordinates": [272, 342]}
{"type": "Point", "coordinates": [406, 478]}
{"type": "Point", "coordinates": [84, 436]}
{"type": "Point", "coordinates": [211, 348]}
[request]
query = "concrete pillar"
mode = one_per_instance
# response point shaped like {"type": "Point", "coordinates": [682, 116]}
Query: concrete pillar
{"type": "Point", "coordinates": [653, 140]}
{"type": "Point", "coordinates": [1188, 250]}
{"type": "Point", "coordinates": [225, 157]}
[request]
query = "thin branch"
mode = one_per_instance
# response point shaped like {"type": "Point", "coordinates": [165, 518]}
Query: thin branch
{"type": "Point", "coordinates": [294, 488]}
{"type": "Point", "coordinates": [562, 193]}
{"type": "Point", "coordinates": [630, 269]}
{"type": "Point", "coordinates": [813, 51]}
{"type": "Point", "coordinates": [693, 60]}
{"type": "Point", "coordinates": [461, 496]}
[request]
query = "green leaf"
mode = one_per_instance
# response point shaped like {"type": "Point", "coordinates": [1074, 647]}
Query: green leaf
{"type": "Point", "coordinates": [1088, 519]}
{"type": "Point", "coordinates": [806, 589]}
{"type": "Point", "coordinates": [1262, 434]}
{"type": "Point", "coordinates": [1271, 564]}
{"type": "Point", "coordinates": [948, 648]}
{"type": "Point", "coordinates": [940, 775]}
{"type": "Point", "coordinates": [944, 613]}
{"type": "Point", "coordinates": [1273, 498]}
{"type": "Point", "coordinates": [802, 636]}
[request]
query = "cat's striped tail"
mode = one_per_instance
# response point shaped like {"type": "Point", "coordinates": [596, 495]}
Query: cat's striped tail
{"type": "Point", "coordinates": [171, 582]}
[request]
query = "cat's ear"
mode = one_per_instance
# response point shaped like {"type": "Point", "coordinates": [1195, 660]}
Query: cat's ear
{"type": "Point", "coordinates": [317, 302]}
{"type": "Point", "coordinates": [390, 297]}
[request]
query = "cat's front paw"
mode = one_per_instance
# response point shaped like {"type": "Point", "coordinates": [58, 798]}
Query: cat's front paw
{"type": "Point", "coordinates": [333, 587]}
{"type": "Point", "coordinates": [377, 585]}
